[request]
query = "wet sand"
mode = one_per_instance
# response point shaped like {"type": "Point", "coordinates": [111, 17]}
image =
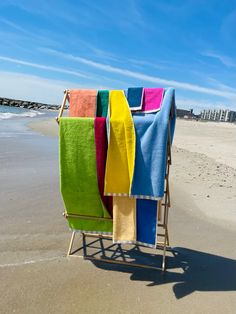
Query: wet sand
{"type": "Point", "coordinates": [37, 277]}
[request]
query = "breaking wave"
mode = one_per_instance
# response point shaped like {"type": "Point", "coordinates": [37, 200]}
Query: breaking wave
{"type": "Point", "coordinates": [26, 114]}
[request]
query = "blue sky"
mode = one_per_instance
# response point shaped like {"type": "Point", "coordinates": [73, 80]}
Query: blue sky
{"type": "Point", "coordinates": [48, 46]}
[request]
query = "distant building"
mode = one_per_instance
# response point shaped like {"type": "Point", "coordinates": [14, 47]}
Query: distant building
{"type": "Point", "coordinates": [223, 115]}
{"type": "Point", "coordinates": [183, 113]}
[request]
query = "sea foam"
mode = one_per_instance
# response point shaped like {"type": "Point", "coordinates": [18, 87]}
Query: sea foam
{"type": "Point", "coordinates": [26, 114]}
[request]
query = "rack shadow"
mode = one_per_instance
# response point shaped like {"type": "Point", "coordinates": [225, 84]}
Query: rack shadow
{"type": "Point", "coordinates": [187, 269]}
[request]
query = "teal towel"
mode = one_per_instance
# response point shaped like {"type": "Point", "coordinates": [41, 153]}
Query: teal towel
{"type": "Point", "coordinates": [78, 175]}
{"type": "Point", "coordinates": [102, 103]}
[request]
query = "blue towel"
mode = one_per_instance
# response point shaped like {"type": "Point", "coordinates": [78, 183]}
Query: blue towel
{"type": "Point", "coordinates": [146, 221]}
{"type": "Point", "coordinates": [151, 149]}
{"type": "Point", "coordinates": [135, 98]}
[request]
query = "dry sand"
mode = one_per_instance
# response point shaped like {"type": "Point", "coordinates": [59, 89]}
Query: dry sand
{"type": "Point", "coordinates": [204, 165]}
{"type": "Point", "coordinates": [36, 277]}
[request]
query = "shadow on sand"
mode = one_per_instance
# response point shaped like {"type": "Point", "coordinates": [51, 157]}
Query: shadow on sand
{"type": "Point", "coordinates": [187, 269]}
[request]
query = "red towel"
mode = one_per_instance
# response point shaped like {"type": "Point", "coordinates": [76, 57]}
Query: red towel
{"type": "Point", "coordinates": [83, 103]}
{"type": "Point", "coordinates": [101, 156]}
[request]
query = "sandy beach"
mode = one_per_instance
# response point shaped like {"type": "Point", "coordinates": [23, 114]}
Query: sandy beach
{"type": "Point", "coordinates": [37, 277]}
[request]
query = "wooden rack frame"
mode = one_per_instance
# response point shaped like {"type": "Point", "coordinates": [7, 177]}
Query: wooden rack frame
{"type": "Point", "coordinates": [162, 236]}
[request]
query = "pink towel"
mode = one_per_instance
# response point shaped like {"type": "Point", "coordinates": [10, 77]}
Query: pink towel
{"type": "Point", "coordinates": [82, 103]}
{"type": "Point", "coordinates": [152, 99]}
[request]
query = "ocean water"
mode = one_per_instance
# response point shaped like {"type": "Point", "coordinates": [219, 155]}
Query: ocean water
{"type": "Point", "coordinates": [7, 112]}
{"type": "Point", "coordinates": [14, 121]}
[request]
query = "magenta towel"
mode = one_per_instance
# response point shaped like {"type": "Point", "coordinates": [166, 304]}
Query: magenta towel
{"type": "Point", "coordinates": [152, 99]}
{"type": "Point", "coordinates": [101, 156]}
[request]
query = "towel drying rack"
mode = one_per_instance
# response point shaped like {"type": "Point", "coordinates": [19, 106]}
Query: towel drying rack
{"type": "Point", "coordinates": [162, 236]}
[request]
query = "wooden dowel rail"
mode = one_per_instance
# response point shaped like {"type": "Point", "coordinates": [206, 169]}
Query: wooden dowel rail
{"type": "Point", "coordinates": [66, 92]}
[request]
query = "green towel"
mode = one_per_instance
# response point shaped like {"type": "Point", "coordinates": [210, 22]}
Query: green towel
{"type": "Point", "coordinates": [78, 176]}
{"type": "Point", "coordinates": [102, 103]}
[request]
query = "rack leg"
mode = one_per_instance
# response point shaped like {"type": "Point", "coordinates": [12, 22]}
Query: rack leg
{"type": "Point", "coordinates": [167, 237]}
{"type": "Point", "coordinates": [62, 105]}
{"type": "Point", "coordinates": [84, 244]}
{"type": "Point", "coordinates": [164, 253]}
{"type": "Point", "coordinates": [159, 210]}
{"type": "Point", "coordinates": [71, 243]}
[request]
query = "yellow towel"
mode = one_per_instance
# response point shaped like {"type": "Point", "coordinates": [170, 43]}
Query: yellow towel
{"type": "Point", "coordinates": [121, 146]}
{"type": "Point", "coordinates": [124, 219]}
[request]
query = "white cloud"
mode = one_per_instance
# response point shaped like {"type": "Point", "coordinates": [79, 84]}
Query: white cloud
{"type": "Point", "coordinates": [220, 85]}
{"type": "Point", "coordinates": [46, 8]}
{"type": "Point", "coordinates": [43, 67]}
{"type": "Point", "coordinates": [34, 88]}
{"type": "Point", "coordinates": [225, 60]}
{"type": "Point", "coordinates": [141, 63]}
{"type": "Point", "coordinates": [18, 35]}
{"type": "Point", "coordinates": [13, 25]}
{"type": "Point", "coordinates": [144, 77]}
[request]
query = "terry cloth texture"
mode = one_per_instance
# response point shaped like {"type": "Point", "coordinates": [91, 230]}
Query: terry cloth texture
{"type": "Point", "coordinates": [121, 146]}
{"type": "Point", "coordinates": [102, 103]}
{"type": "Point", "coordinates": [101, 155]}
{"type": "Point", "coordinates": [124, 219]}
{"type": "Point", "coordinates": [152, 99]}
{"type": "Point", "coordinates": [135, 98]}
{"type": "Point", "coordinates": [78, 177]}
{"type": "Point", "coordinates": [151, 149]}
{"type": "Point", "coordinates": [82, 103]}
{"type": "Point", "coordinates": [146, 211]}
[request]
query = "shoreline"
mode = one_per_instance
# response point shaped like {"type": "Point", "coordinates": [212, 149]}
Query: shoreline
{"type": "Point", "coordinates": [47, 127]}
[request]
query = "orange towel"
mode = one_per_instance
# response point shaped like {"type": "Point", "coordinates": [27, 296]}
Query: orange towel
{"type": "Point", "coordinates": [82, 103]}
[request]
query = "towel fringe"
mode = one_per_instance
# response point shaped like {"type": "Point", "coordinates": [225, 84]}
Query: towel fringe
{"type": "Point", "coordinates": [145, 197]}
